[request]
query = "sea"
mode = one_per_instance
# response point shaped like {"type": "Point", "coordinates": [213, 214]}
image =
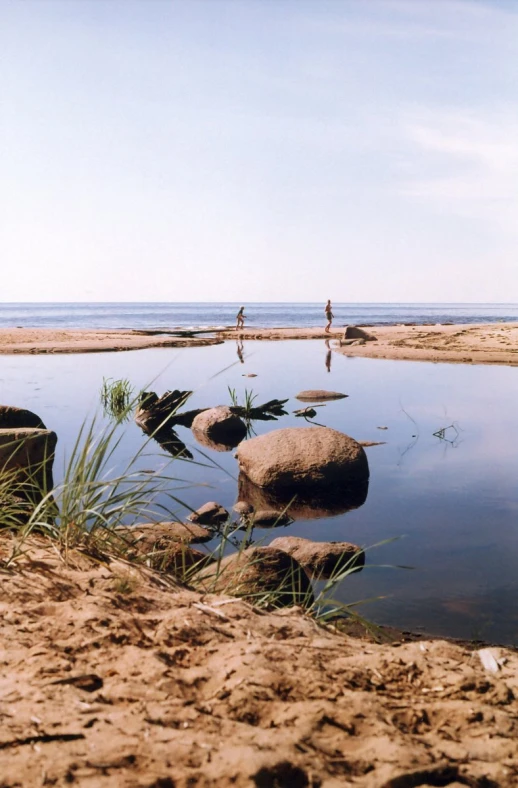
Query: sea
{"type": "Point", "coordinates": [206, 315]}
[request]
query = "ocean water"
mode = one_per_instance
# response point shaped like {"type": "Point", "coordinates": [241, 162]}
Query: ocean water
{"type": "Point", "coordinates": [259, 315]}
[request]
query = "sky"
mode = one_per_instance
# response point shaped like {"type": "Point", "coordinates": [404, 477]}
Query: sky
{"type": "Point", "coordinates": [259, 150]}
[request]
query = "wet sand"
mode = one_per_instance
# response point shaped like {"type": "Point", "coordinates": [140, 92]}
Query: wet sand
{"type": "Point", "coordinates": [491, 343]}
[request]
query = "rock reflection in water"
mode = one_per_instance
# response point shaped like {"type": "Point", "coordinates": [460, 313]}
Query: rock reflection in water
{"type": "Point", "coordinates": [231, 441]}
{"type": "Point", "coordinates": [301, 505]}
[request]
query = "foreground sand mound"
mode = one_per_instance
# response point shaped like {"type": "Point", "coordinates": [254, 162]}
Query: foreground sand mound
{"type": "Point", "coordinates": [112, 676]}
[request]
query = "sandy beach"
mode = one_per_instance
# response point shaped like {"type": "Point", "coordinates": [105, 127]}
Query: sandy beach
{"type": "Point", "coordinates": [115, 675]}
{"type": "Point", "coordinates": [491, 343]}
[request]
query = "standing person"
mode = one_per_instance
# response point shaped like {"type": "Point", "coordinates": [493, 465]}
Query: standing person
{"type": "Point", "coordinates": [240, 318]}
{"type": "Point", "coordinates": [329, 315]}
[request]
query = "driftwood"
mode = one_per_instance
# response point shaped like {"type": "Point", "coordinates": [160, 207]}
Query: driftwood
{"type": "Point", "coordinates": [270, 411]}
{"type": "Point", "coordinates": [156, 412]}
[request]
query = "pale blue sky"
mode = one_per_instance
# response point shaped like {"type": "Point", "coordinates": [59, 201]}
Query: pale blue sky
{"type": "Point", "coordinates": [363, 150]}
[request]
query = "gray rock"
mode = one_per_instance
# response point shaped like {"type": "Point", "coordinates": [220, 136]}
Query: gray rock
{"type": "Point", "coordinates": [319, 395]}
{"type": "Point", "coordinates": [258, 571]}
{"type": "Point", "coordinates": [322, 559]}
{"type": "Point", "coordinates": [303, 457]}
{"type": "Point", "coordinates": [210, 513]}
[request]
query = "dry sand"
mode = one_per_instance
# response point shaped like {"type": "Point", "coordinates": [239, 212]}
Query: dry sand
{"type": "Point", "coordinates": [112, 676]}
{"type": "Point", "coordinates": [493, 343]}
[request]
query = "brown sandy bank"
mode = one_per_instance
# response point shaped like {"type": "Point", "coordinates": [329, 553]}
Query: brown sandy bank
{"type": "Point", "coordinates": [114, 675]}
{"type": "Point", "coordinates": [489, 343]}
{"type": "Point", "coordinates": [48, 340]}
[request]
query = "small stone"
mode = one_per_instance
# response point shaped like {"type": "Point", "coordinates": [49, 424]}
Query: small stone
{"type": "Point", "coordinates": [319, 395]}
{"type": "Point", "coordinates": [242, 507]}
{"type": "Point", "coordinates": [210, 513]}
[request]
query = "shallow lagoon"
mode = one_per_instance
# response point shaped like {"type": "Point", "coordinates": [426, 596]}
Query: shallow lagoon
{"type": "Point", "coordinates": [454, 505]}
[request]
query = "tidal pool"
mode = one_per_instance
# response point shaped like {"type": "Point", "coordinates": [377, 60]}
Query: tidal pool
{"type": "Point", "coordinates": [450, 499]}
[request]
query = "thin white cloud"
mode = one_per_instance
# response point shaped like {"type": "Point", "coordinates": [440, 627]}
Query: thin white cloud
{"type": "Point", "coordinates": [465, 162]}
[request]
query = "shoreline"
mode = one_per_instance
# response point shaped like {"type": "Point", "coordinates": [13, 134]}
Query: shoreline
{"type": "Point", "coordinates": [466, 343]}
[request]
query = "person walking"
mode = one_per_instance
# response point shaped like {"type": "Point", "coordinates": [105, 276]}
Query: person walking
{"type": "Point", "coordinates": [329, 316]}
{"type": "Point", "coordinates": [240, 318]}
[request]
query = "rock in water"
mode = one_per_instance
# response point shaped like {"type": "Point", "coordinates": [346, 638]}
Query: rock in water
{"type": "Point", "coordinates": [210, 513]}
{"type": "Point", "coordinates": [302, 457]}
{"type": "Point", "coordinates": [322, 559]}
{"type": "Point", "coordinates": [220, 425]}
{"type": "Point", "coordinates": [319, 395]}
{"type": "Point", "coordinates": [255, 572]}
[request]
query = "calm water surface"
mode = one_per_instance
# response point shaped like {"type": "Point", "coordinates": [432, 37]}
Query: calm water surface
{"type": "Point", "coordinates": [454, 504]}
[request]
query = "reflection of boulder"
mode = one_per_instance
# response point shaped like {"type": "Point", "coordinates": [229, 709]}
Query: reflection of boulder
{"type": "Point", "coordinates": [302, 504]}
{"type": "Point", "coordinates": [322, 559]}
{"type": "Point", "coordinates": [303, 459]}
{"type": "Point", "coordinates": [258, 571]}
{"type": "Point", "coordinates": [219, 426]}
{"type": "Point", "coordinates": [203, 439]}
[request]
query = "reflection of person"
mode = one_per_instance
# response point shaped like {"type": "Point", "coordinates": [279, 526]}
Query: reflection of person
{"type": "Point", "coordinates": [240, 351]}
{"type": "Point", "coordinates": [240, 317]}
{"type": "Point", "coordinates": [328, 356]}
{"type": "Point", "coordinates": [329, 316]}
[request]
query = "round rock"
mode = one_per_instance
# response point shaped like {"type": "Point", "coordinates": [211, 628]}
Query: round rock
{"type": "Point", "coordinates": [210, 513]}
{"type": "Point", "coordinates": [302, 457]}
{"type": "Point", "coordinates": [220, 425]}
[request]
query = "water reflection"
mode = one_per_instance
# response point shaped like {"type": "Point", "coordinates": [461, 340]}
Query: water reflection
{"type": "Point", "coordinates": [328, 355]}
{"type": "Point", "coordinates": [304, 505]}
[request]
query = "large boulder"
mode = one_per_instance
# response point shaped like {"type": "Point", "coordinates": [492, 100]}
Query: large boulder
{"type": "Point", "coordinates": [303, 458]}
{"type": "Point", "coordinates": [220, 426]}
{"type": "Point", "coordinates": [322, 559]}
{"type": "Point", "coordinates": [15, 418]}
{"type": "Point", "coordinates": [26, 460]}
{"type": "Point", "coordinates": [355, 332]}
{"type": "Point", "coordinates": [303, 503]}
{"type": "Point", "coordinates": [260, 573]}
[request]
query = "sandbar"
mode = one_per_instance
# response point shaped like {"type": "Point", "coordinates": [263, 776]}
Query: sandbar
{"type": "Point", "coordinates": [474, 343]}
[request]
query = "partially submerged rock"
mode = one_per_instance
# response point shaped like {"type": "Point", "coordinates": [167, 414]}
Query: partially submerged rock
{"type": "Point", "coordinates": [319, 395]}
{"type": "Point", "coordinates": [243, 507]}
{"type": "Point", "coordinates": [269, 518]}
{"type": "Point", "coordinates": [16, 418]}
{"type": "Point", "coordinates": [258, 572]}
{"type": "Point", "coordinates": [322, 559]}
{"type": "Point", "coordinates": [219, 425]}
{"type": "Point", "coordinates": [299, 458]}
{"type": "Point", "coordinates": [211, 513]}
{"type": "Point", "coordinates": [355, 332]}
